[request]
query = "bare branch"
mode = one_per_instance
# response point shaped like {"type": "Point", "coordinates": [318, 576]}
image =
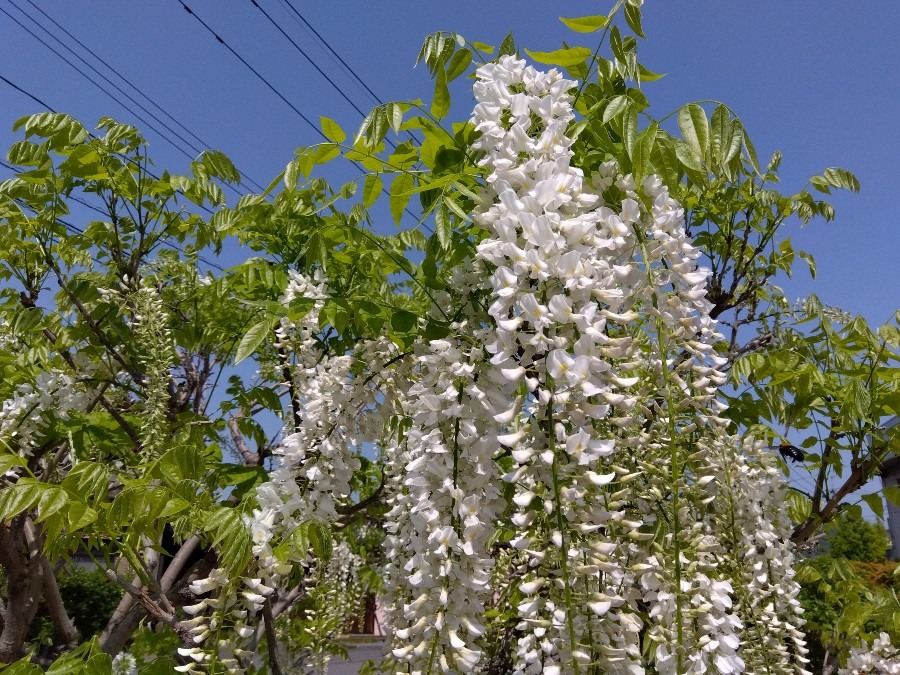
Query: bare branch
{"type": "Point", "coordinates": [250, 458]}
{"type": "Point", "coordinates": [271, 638]}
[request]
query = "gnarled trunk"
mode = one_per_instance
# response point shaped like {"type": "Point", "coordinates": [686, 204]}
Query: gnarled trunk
{"type": "Point", "coordinates": [24, 577]}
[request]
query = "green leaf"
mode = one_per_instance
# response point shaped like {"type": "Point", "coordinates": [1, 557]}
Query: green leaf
{"type": "Point", "coordinates": [687, 156]}
{"type": "Point", "coordinates": [809, 261]}
{"type": "Point", "coordinates": [442, 225]}
{"type": "Point", "coordinates": [79, 515]}
{"type": "Point", "coordinates": [52, 501]}
{"type": "Point", "coordinates": [721, 135]}
{"type": "Point", "coordinates": [615, 106]}
{"type": "Point", "coordinates": [332, 130]}
{"type": "Point", "coordinates": [876, 503]}
{"type": "Point", "coordinates": [87, 480]}
{"type": "Point", "coordinates": [508, 46]}
{"type": "Point", "coordinates": [440, 105]}
{"type": "Point", "coordinates": [566, 58]}
{"type": "Point", "coordinates": [23, 666]}
{"type": "Point", "coordinates": [482, 47]}
{"type": "Point", "coordinates": [647, 75]}
{"type": "Point", "coordinates": [629, 129]}
{"type": "Point", "coordinates": [400, 192]}
{"type": "Point", "coordinates": [26, 320]}
{"type": "Point", "coordinates": [372, 188]}
{"type": "Point", "coordinates": [227, 531]}
{"type": "Point", "coordinates": [451, 204]}
{"type": "Point", "coordinates": [615, 44]}
{"type": "Point", "coordinates": [320, 540]}
{"type": "Point", "coordinates": [305, 162]}
{"type": "Point", "coordinates": [8, 462]}
{"type": "Point", "coordinates": [633, 17]}
{"type": "Point", "coordinates": [394, 112]}
{"type": "Point", "coordinates": [585, 24]}
{"type": "Point", "coordinates": [293, 169]}
{"type": "Point", "coordinates": [665, 161]}
{"type": "Point", "coordinates": [20, 497]}
{"type": "Point", "coordinates": [27, 153]}
{"type": "Point", "coordinates": [403, 321]}
{"type": "Point", "coordinates": [326, 152]}
{"type": "Point", "coordinates": [695, 129]}
{"type": "Point", "coordinates": [841, 178]}
{"type": "Point", "coordinates": [252, 339]}
{"type": "Point", "coordinates": [820, 184]}
{"type": "Point", "coordinates": [336, 313]}
{"type": "Point", "coordinates": [174, 506]}
{"type": "Point", "coordinates": [892, 494]}
{"type": "Point", "coordinates": [458, 64]}
{"type": "Point", "coordinates": [643, 149]}
{"type": "Point", "coordinates": [799, 506]}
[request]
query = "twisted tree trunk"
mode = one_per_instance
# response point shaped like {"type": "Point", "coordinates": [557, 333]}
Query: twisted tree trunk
{"type": "Point", "coordinates": [24, 579]}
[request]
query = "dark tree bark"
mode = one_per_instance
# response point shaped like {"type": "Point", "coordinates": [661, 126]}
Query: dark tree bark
{"type": "Point", "coordinates": [22, 563]}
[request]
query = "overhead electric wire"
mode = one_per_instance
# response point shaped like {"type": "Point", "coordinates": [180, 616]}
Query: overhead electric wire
{"type": "Point", "coordinates": [105, 91]}
{"type": "Point", "coordinates": [105, 79]}
{"type": "Point", "coordinates": [28, 94]}
{"type": "Point", "coordinates": [313, 63]}
{"type": "Point", "coordinates": [240, 58]}
{"type": "Point", "coordinates": [335, 55]}
{"type": "Point", "coordinates": [253, 70]}
{"type": "Point", "coordinates": [308, 27]}
{"type": "Point", "coordinates": [94, 82]}
{"type": "Point", "coordinates": [112, 84]}
{"type": "Point", "coordinates": [133, 86]}
{"type": "Point", "coordinates": [92, 135]}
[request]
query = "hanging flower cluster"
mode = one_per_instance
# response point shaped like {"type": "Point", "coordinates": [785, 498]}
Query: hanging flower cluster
{"type": "Point", "coordinates": [749, 499]}
{"type": "Point", "coordinates": [334, 601]}
{"type": "Point", "coordinates": [880, 657]}
{"type": "Point", "coordinates": [446, 498]}
{"type": "Point", "coordinates": [124, 663]}
{"type": "Point", "coordinates": [338, 406]}
{"type": "Point", "coordinates": [596, 401]}
{"type": "Point", "coordinates": [567, 428]}
{"type": "Point", "coordinates": [157, 353]}
{"type": "Point", "coordinates": [25, 415]}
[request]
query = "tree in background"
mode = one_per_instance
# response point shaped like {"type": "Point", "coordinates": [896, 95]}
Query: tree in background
{"type": "Point", "coordinates": [849, 592]}
{"type": "Point", "coordinates": [519, 395]}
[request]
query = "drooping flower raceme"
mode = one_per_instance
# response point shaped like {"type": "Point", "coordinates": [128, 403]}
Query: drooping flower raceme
{"type": "Point", "coordinates": [566, 427]}
{"type": "Point", "coordinates": [335, 411]}
{"type": "Point", "coordinates": [598, 336]}
{"type": "Point", "coordinates": [157, 350]}
{"type": "Point", "coordinates": [24, 415]}
{"type": "Point", "coordinates": [578, 265]}
{"type": "Point", "coordinates": [880, 657]}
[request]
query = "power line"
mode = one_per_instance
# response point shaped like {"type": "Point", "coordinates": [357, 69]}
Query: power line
{"type": "Point", "coordinates": [130, 160]}
{"type": "Point", "coordinates": [95, 83]}
{"type": "Point", "coordinates": [253, 70]}
{"type": "Point", "coordinates": [91, 80]}
{"type": "Point", "coordinates": [133, 86]}
{"type": "Point", "coordinates": [310, 60]}
{"type": "Point", "coordinates": [28, 94]}
{"type": "Point", "coordinates": [111, 68]}
{"type": "Point", "coordinates": [105, 91]}
{"type": "Point", "coordinates": [105, 79]}
{"type": "Point", "coordinates": [272, 87]}
{"type": "Point", "coordinates": [309, 28]}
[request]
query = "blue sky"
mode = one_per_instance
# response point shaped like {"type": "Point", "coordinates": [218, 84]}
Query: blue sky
{"type": "Point", "coordinates": [816, 80]}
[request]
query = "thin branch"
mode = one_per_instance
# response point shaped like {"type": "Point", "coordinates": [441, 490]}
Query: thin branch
{"type": "Point", "coordinates": [250, 458]}
{"type": "Point", "coordinates": [271, 639]}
